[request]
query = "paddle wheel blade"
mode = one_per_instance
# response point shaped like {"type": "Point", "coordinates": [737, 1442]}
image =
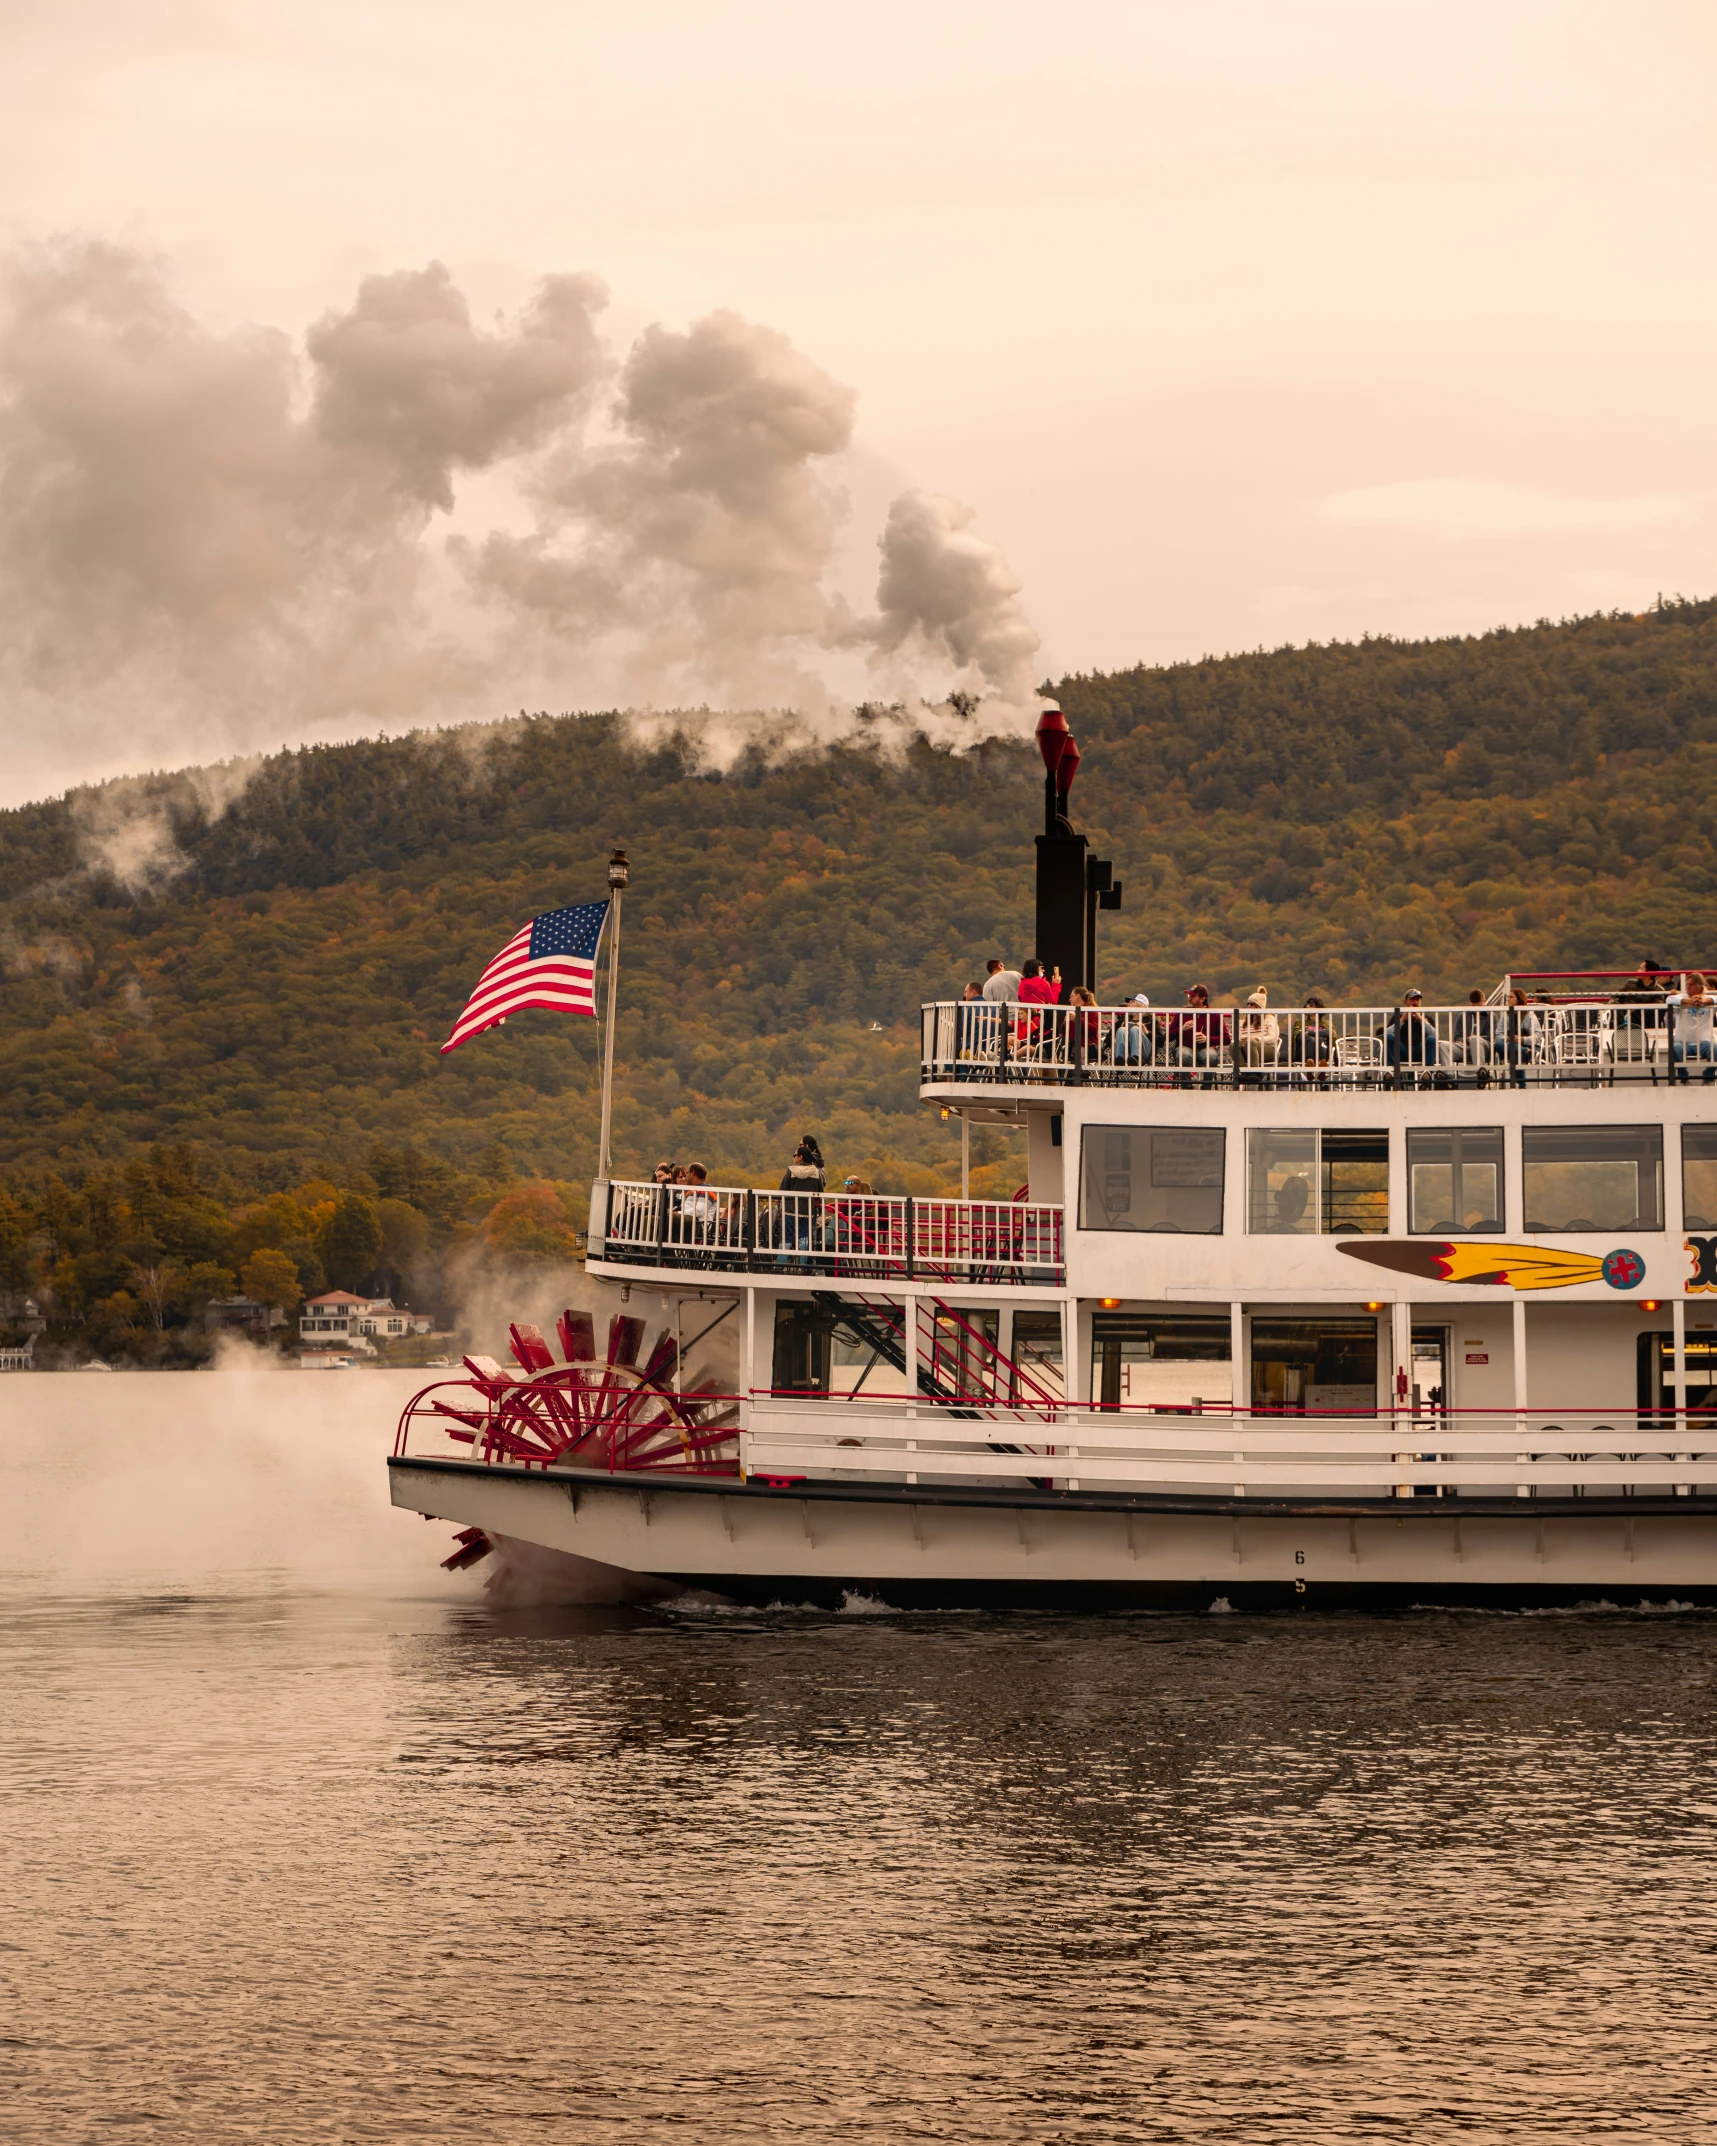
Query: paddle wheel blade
{"type": "Point", "coordinates": [474, 1546]}
{"type": "Point", "coordinates": [577, 1331]}
{"type": "Point", "coordinates": [660, 1367]}
{"type": "Point", "coordinates": [530, 1350]}
{"type": "Point", "coordinates": [625, 1339]}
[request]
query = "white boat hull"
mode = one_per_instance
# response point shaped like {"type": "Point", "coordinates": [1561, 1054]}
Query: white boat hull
{"type": "Point", "coordinates": [821, 1542]}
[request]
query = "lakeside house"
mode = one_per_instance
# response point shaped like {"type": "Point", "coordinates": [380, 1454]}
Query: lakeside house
{"type": "Point", "coordinates": [339, 1317]}
{"type": "Point", "coordinates": [242, 1314]}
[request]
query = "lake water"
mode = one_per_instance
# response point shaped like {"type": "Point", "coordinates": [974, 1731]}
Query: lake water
{"type": "Point", "coordinates": [304, 1841]}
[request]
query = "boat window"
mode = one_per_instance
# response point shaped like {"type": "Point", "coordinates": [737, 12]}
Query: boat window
{"type": "Point", "coordinates": [1592, 1177]}
{"type": "Point", "coordinates": [1143, 1359]}
{"type": "Point", "coordinates": [1314, 1364]}
{"type": "Point", "coordinates": [1037, 1353]}
{"type": "Point", "coordinates": [1152, 1177]}
{"type": "Point", "coordinates": [1311, 1184]}
{"type": "Point", "coordinates": [963, 1352]}
{"type": "Point", "coordinates": [1699, 1176]}
{"type": "Point", "coordinates": [803, 1337]}
{"type": "Point", "coordinates": [1454, 1178]}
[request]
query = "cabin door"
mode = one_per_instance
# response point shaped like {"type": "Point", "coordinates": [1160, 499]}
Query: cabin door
{"type": "Point", "coordinates": [1430, 1371]}
{"type": "Point", "coordinates": [1429, 1388]}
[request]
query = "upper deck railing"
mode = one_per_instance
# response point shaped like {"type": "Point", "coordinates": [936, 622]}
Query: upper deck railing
{"type": "Point", "coordinates": [1582, 1041]}
{"type": "Point", "coordinates": [845, 1235]}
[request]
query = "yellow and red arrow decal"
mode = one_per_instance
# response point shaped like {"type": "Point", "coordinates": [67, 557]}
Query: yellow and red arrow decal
{"type": "Point", "coordinates": [1504, 1266]}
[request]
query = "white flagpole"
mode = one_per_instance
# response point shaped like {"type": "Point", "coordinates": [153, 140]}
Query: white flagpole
{"type": "Point", "coordinates": [619, 871]}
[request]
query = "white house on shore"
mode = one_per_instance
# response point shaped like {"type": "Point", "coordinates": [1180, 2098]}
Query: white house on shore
{"type": "Point", "coordinates": [338, 1317]}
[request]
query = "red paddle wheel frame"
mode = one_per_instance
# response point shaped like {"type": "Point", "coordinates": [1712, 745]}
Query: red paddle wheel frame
{"type": "Point", "coordinates": [615, 1413]}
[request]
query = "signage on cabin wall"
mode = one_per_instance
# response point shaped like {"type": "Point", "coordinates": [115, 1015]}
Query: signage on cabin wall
{"type": "Point", "coordinates": [1502, 1266]}
{"type": "Point", "coordinates": [1703, 1276]}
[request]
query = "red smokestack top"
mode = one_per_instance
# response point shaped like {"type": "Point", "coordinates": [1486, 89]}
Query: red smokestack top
{"type": "Point", "coordinates": [1067, 766]}
{"type": "Point", "coordinates": [1052, 737]}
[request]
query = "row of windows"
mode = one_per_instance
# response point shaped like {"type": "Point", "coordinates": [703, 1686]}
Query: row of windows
{"type": "Point", "coordinates": [1573, 1178]}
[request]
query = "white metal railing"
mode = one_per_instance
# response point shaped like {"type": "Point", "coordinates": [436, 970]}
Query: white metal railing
{"type": "Point", "coordinates": [857, 1235]}
{"type": "Point", "coordinates": [1238, 1453]}
{"type": "Point", "coordinates": [1297, 1047]}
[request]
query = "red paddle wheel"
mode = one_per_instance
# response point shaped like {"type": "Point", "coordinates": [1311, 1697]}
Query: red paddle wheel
{"type": "Point", "coordinates": [614, 1413]}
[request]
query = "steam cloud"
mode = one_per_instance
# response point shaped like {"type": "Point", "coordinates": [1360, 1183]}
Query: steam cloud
{"type": "Point", "coordinates": [213, 541]}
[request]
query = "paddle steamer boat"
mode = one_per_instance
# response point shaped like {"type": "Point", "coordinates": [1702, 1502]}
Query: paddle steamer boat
{"type": "Point", "coordinates": [1331, 1305]}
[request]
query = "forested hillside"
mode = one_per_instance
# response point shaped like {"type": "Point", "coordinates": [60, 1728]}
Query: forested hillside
{"type": "Point", "coordinates": [266, 1020]}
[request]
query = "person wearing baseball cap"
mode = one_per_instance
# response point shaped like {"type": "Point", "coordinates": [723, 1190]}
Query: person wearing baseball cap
{"type": "Point", "coordinates": [1410, 1040]}
{"type": "Point", "coordinates": [1133, 1041]}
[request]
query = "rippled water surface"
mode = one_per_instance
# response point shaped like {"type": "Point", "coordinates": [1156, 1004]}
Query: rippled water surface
{"type": "Point", "coordinates": [303, 1841]}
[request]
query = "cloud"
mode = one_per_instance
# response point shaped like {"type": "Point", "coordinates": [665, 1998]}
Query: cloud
{"type": "Point", "coordinates": [216, 540]}
{"type": "Point", "coordinates": [1458, 511]}
{"type": "Point", "coordinates": [705, 525]}
{"type": "Point", "coordinates": [405, 379]}
{"type": "Point", "coordinates": [947, 593]}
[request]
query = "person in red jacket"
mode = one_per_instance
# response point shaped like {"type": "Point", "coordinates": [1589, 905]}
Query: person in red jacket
{"type": "Point", "coordinates": [1035, 989]}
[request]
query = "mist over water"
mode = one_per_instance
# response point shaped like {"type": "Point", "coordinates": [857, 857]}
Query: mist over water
{"type": "Point", "coordinates": [306, 1840]}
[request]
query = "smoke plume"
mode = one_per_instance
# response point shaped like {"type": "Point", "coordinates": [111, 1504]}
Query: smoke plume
{"type": "Point", "coordinates": [215, 540]}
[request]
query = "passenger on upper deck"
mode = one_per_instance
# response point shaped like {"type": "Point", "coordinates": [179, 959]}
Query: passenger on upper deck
{"type": "Point", "coordinates": [1695, 1028]}
{"type": "Point", "coordinates": [1087, 1026]}
{"type": "Point", "coordinates": [804, 1174]}
{"type": "Point", "coordinates": [1474, 1040]}
{"type": "Point", "coordinates": [1309, 1043]}
{"type": "Point", "coordinates": [1523, 1037]}
{"type": "Point", "coordinates": [1410, 1040]}
{"type": "Point", "coordinates": [1260, 1033]}
{"type": "Point", "coordinates": [1649, 981]}
{"type": "Point", "coordinates": [1196, 1038]}
{"type": "Point", "coordinates": [1037, 989]}
{"type": "Point", "coordinates": [697, 1205]}
{"type": "Point", "coordinates": [1001, 982]}
{"type": "Point", "coordinates": [1132, 1044]}
{"type": "Point", "coordinates": [968, 1027]}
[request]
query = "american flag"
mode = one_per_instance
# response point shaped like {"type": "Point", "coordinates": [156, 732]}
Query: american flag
{"type": "Point", "coordinates": [552, 962]}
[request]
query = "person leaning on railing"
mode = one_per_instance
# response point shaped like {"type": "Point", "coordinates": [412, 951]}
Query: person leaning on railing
{"type": "Point", "coordinates": [1695, 1030]}
{"type": "Point", "coordinates": [805, 1176]}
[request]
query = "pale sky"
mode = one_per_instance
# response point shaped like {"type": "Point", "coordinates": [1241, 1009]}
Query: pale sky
{"type": "Point", "coordinates": [1236, 321]}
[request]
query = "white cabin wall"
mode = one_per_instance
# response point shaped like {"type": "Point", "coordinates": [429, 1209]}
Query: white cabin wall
{"type": "Point", "coordinates": [1583, 1356]}
{"type": "Point", "coordinates": [1046, 1171]}
{"type": "Point", "coordinates": [1476, 1330]}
